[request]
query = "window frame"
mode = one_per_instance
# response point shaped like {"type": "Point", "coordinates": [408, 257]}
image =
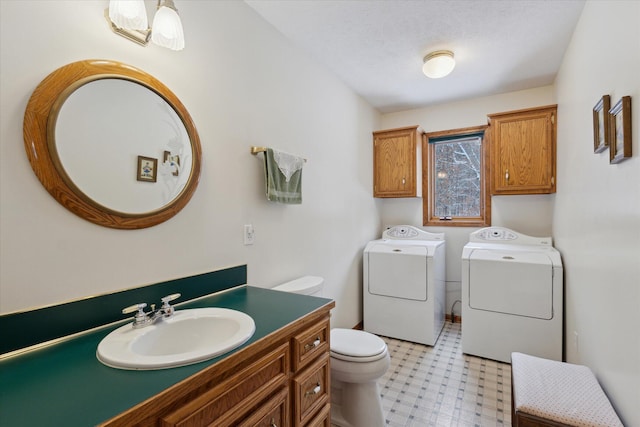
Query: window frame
{"type": "Point", "coordinates": [429, 181]}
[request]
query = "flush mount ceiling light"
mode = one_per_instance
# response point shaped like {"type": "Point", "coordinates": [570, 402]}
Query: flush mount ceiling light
{"type": "Point", "coordinates": [128, 18]}
{"type": "Point", "coordinates": [438, 64]}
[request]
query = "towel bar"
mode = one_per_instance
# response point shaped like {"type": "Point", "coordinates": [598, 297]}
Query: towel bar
{"type": "Point", "coordinates": [255, 150]}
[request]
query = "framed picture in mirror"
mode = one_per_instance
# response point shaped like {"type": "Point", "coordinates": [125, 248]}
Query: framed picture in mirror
{"type": "Point", "coordinates": [620, 130]}
{"type": "Point", "coordinates": [601, 133]}
{"type": "Point", "coordinates": [147, 169]}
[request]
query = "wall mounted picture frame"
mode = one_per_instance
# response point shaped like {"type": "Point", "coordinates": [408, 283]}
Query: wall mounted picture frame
{"type": "Point", "coordinates": [147, 169]}
{"type": "Point", "coordinates": [601, 132]}
{"type": "Point", "coordinates": [620, 130]}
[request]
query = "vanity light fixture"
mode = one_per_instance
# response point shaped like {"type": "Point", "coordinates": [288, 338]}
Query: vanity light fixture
{"type": "Point", "coordinates": [128, 18]}
{"type": "Point", "coordinates": [438, 64]}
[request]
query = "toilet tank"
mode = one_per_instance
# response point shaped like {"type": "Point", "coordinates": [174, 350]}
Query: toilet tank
{"type": "Point", "coordinates": [306, 285]}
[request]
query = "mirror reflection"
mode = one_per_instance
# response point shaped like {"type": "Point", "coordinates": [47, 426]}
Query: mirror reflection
{"type": "Point", "coordinates": [98, 145]}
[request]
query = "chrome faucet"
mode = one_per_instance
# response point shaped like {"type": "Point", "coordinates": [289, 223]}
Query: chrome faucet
{"type": "Point", "coordinates": [142, 318]}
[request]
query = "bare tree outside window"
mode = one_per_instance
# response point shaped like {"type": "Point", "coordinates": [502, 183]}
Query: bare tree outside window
{"type": "Point", "coordinates": [457, 177]}
{"type": "Point", "coordinates": [455, 166]}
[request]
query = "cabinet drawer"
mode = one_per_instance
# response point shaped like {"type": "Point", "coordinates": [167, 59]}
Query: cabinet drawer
{"type": "Point", "coordinates": [311, 390]}
{"type": "Point", "coordinates": [274, 412]}
{"type": "Point", "coordinates": [310, 344]}
{"type": "Point", "coordinates": [323, 419]}
{"type": "Point", "coordinates": [228, 401]}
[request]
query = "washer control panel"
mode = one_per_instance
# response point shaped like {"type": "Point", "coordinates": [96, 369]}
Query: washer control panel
{"type": "Point", "coordinates": [402, 232]}
{"type": "Point", "coordinates": [408, 232]}
{"type": "Point", "coordinates": [503, 235]}
{"type": "Point", "coordinates": [497, 234]}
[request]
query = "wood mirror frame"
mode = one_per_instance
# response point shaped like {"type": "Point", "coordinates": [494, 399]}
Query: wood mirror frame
{"type": "Point", "coordinates": [37, 130]}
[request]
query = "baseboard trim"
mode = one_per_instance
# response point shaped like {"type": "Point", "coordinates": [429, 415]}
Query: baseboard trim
{"type": "Point", "coordinates": [456, 319]}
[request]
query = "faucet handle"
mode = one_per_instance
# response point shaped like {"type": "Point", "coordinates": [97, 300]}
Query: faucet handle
{"type": "Point", "coordinates": [170, 298]}
{"type": "Point", "coordinates": [140, 319]}
{"type": "Point", "coordinates": [166, 308]}
{"type": "Point", "coordinates": [136, 307]}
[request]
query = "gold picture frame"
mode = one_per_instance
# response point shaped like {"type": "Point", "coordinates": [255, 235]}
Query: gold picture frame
{"type": "Point", "coordinates": [601, 132]}
{"type": "Point", "coordinates": [620, 130]}
{"type": "Point", "coordinates": [147, 169]}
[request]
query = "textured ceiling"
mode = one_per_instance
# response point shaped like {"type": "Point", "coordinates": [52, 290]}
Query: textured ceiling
{"type": "Point", "coordinates": [376, 46]}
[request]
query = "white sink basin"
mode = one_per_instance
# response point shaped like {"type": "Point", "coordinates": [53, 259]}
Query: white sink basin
{"type": "Point", "coordinates": [189, 336]}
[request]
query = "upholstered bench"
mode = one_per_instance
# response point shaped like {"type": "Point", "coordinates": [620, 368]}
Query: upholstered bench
{"type": "Point", "coordinates": [550, 393]}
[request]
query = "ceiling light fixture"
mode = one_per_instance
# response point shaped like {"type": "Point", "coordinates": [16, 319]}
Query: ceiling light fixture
{"type": "Point", "coordinates": [128, 18]}
{"type": "Point", "coordinates": [438, 64]}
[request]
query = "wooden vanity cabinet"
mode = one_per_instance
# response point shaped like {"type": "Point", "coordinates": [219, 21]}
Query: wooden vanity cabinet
{"type": "Point", "coordinates": [523, 151]}
{"type": "Point", "coordinates": [396, 157]}
{"type": "Point", "coordinates": [282, 379]}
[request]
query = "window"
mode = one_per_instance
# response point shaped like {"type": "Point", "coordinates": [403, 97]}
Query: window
{"type": "Point", "coordinates": [455, 167]}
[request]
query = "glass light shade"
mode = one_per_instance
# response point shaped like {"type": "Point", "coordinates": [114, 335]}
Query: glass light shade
{"type": "Point", "coordinates": [438, 64]}
{"type": "Point", "coordinates": [167, 29]}
{"type": "Point", "coordinates": [128, 14]}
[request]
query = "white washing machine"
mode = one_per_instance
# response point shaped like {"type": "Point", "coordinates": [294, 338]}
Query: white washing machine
{"type": "Point", "coordinates": [512, 295]}
{"type": "Point", "coordinates": [404, 285]}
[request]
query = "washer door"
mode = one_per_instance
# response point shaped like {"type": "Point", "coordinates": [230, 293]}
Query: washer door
{"type": "Point", "coordinates": [398, 271]}
{"type": "Point", "coordinates": [512, 282]}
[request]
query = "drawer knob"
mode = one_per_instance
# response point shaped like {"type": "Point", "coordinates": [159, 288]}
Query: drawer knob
{"type": "Point", "coordinates": [313, 344]}
{"type": "Point", "coordinates": [273, 423]}
{"type": "Point", "coordinates": [315, 390]}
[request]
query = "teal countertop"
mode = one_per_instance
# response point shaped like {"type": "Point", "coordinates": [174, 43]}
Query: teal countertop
{"type": "Point", "coordinates": [65, 385]}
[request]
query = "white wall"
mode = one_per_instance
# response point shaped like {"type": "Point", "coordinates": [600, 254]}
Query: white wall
{"type": "Point", "coordinates": [244, 85]}
{"type": "Point", "coordinates": [527, 214]}
{"type": "Point", "coordinates": [596, 220]}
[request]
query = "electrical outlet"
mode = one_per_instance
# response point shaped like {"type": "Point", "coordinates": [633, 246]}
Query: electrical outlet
{"type": "Point", "coordinates": [249, 234]}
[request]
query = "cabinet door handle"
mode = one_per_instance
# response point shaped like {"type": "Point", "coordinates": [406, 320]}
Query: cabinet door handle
{"type": "Point", "coordinates": [313, 344]}
{"type": "Point", "coordinates": [315, 390]}
{"type": "Point", "coordinates": [273, 423]}
{"type": "Point", "coordinates": [506, 176]}
{"type": "Point", "coordinates": [403, 181]}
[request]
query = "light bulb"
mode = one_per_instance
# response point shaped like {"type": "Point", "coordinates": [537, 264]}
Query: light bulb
{"type": "Point", "coordinates": [438, 64]}
{"type": "Point", "coordinates": [128, 14]}
{"type": "Point", "coordinates": [167, 29]}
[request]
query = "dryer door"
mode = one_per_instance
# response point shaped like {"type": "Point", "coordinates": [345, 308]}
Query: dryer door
{"type": "Point", "coordinates": [398, 271]}
{"type": "Point", "coordinates": [513, 282]}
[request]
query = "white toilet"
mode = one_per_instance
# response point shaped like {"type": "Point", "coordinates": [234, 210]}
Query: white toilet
{"type": "Point", "coordinates": [358, 360]}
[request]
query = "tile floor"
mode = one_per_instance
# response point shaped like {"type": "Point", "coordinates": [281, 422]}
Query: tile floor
{"type": "Point", "coordinates": [440, 386]}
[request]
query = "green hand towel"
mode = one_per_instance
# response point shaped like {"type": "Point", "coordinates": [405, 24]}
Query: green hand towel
{"type": "Point", "coordinates": [284, 181]}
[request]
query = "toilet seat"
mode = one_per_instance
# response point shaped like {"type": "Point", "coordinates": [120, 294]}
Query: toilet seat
{"type": "Point", "coordinates": [307, 285]}
{"type": "Point", "coordinates": [356, 346]}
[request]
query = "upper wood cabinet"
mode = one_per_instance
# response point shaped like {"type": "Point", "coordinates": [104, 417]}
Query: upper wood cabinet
{"type": "Point", "coordinates": [396, 157]}
{"type": "Point", "coordinates": [523, 151]}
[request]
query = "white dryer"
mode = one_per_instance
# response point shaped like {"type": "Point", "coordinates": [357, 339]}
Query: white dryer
{"type": "Point", "coordinates": [512, 295]}
{"type": "Point", "coordinates": [404, 285]}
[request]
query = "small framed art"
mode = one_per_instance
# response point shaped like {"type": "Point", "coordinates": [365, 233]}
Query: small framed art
{"type": "Point", "coordinates": [601, 133]}
{"type": "Point", "coordinates": [620, 130]}
{"type": "Point", "coordinates": [147, 169]}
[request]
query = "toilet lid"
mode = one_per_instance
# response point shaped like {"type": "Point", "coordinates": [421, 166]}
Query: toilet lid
{"type": "Point", "coordinates": [354, 343]}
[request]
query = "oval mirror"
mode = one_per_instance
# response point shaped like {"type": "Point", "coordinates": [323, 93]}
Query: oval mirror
{"type": "Point", "coordinates": [112, 144]}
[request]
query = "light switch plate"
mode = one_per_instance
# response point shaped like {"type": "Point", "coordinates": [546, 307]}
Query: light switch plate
{"type": "Point", "coordinates": [249, 234]}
